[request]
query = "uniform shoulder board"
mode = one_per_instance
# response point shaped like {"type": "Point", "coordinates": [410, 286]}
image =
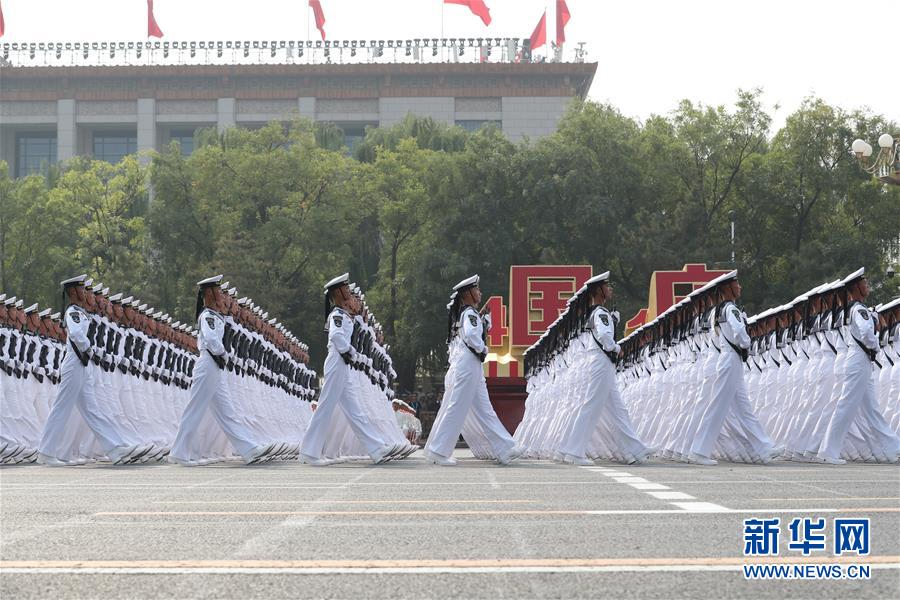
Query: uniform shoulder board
{"type": "Point", "coordinates": [211, 322]}
{"type": "Point", "coordinates": [736, 314]}
{"type": "Point", "coordinates": [338, 319]}
{"type": "Point", "coordinates": [864, 313]}
{"type": "Point", "coordinates": [473, 319]}
{"type": "Point", "coordinates": [76, 316]}
{"type": "Point", "coordinates": [604, 316]}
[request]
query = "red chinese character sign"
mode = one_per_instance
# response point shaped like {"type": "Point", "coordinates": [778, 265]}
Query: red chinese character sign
{"type": "Point", "coordinates": [669, 287]}
{"type": "Point", "coordinates": [537, 295]}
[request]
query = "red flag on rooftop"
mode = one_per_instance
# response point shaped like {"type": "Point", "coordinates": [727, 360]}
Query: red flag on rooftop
{"type": "Point", "coordinates": [478, 7]}
{"type": "Point", "coordinates": [2, 22]}
{"type": "Point", "coordinates": [153, 29]}
{"type": "Point", "coordinates": [539, 35]}
{"type": "Point", "coordinates": [316, 5]}
{"type": "Point", "coordinates": [562, 17]}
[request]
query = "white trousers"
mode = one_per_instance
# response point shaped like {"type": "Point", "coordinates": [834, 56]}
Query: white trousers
{"type": "Point", "coordinates": [729, 396]}
{"type": "Point", "coordinates": [601, 401]}
{"type": "Point", "coordinates": [858, 396]}
{"type": "Point", "coordinates": [76, 391]}
{"type": "Point", "coordinates": [339, 390]}
{"type": "Point", "coordinates": [466, 393]}
{"type": "Point", "coordinates": [209, 393]}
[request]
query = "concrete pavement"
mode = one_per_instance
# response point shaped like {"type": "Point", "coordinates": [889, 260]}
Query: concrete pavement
{"type": "Point", "coordinates": [411, 529]}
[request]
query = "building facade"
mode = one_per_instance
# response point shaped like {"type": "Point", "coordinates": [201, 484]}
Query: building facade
{"type": "Point", "coordinates": [51, 114]}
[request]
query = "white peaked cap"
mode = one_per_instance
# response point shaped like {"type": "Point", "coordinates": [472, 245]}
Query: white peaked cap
{"type": "Point", "coordinates": [469, 281]}
{"type": "Point", "coordinates": [79, 279]}
{"type": "Point", "coordinates": [861, 272]}
{"type": "Point", "coordinates": [597, 278]}
{"type": "Point", "coordinates": [339, 280]}
{"type": "Point", "coordinates": [211, 280]}
{"type": "Point", "coordinates": [890, 304]}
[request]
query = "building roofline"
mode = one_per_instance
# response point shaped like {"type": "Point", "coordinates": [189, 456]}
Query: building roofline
{"type": "Point", "coordinates": [549, 68]}
{"type": "Point", "coordinates": [574, 79]}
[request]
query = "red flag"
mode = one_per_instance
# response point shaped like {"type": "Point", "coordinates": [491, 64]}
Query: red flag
{"type": "Point", "coordinates": [2, 22]}
{"type": "Point", "coordinates": [316, 5]}
{"type": "Point", "coordinates": [539, 35]}
{"type": "Point", "coordinates": [562, 17]}
{"type": "Point", "coordinates": [153, 29]}
{"type": "Point", "coordinates": [478, 7]}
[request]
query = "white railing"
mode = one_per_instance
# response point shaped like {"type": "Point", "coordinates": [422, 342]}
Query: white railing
{"type": "Point", "coordinates": [281, 52]}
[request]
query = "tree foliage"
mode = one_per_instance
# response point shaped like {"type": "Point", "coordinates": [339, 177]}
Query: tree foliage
{"type": "Point", "coordinates": [422, 204]}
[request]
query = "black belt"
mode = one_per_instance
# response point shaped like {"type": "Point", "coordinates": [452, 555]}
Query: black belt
{"type": "Point", "coordinates": [478, 355]}
{"type": "Point", "coordinates": [744, 354]}
{"type": "Point", "coordinates": [81, 356]}
{"type": "Point", "coordinates": [220, 362]}
{"type": "Point", "coordinates": [869, 352]}
{"type": "Point", "coordinates": [612, 356]}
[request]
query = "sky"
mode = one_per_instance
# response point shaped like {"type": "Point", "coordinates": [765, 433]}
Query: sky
{"type": "Point", "coordinates": [650, 53]}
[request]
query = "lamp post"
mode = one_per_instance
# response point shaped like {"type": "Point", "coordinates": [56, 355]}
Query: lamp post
{"type": "Point", "coordinates": [886, 166]}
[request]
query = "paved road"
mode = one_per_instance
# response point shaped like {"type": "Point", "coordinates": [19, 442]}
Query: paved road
{"type": "Point", "coordinates": [411, 530]}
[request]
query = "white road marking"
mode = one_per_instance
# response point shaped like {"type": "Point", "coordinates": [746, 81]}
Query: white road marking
{"type": "Point", "coordinates": [631, 480]}
{"type": "Point", "coordinates": [671, 495]}
{"type": "Point", "coordinates": [394, 502]}
{"type": "Point", "coordinates": [126, 486]}
{"type": "Point", "coordinates": [656, 491]}
{"type": "Point", "coordinates": [700, 507]}
{"type": "Point", "coordinates": [649, 486]}
{"type": "Point", "coordinates": [390, 570]}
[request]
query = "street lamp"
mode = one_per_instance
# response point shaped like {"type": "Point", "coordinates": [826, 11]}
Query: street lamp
{"type": "Point", "coordinates": [887, 162]}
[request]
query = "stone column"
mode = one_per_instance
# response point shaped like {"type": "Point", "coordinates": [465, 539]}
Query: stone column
{"type": "Point", "coordinates": [66, 132]}
{"type": "Point", "coordinates": [226, 113]}
{"type": "Point", "coordinates": [146, 128]}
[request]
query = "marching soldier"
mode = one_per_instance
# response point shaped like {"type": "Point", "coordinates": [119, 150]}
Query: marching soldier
{"type": "Point", "coordinates": [466, 393]}
{"type": "Point", "coordinates": [729, 395]}
{"type": "Point", "coordinates": [76, 390]}
{"type": "Point", "coordinates": [341, 390]}
{"type": "Point", "coordinates": [601, 398]}
{"type": "Point", "coordinates": [208, 389]}
{"type": "Point", "coordinates": [858, 394]}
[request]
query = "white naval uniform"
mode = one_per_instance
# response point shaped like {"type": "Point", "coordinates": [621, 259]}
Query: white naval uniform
{"type": "Point", "coordinates": [210, 394]}
{"type": "Point", "coordinates": [340, 390]}
{"type": "Point", "coordinates": [729, 393]}
{"type": "Point", "coordinates": [602, 399]}
{"type": "Point", "coordinates": [76, 389]}
{"type": "Point", "coordinates": [857, 395]}
{"type": "Point", "coordinates": [466, 392]}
